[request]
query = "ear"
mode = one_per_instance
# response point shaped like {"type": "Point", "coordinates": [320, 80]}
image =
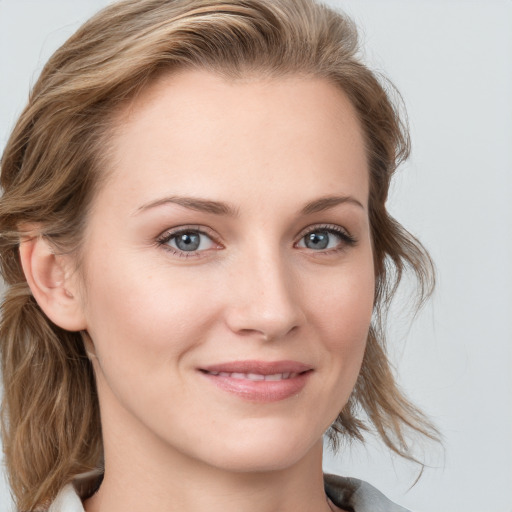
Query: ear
{"type": "Point", "coordinates": [52, 282]}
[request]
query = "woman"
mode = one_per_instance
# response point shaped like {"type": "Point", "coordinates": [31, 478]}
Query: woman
{"type": "Point", "coordinates": [198, 255]}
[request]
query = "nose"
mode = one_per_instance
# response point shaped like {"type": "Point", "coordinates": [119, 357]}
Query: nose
{"type": "Point", "coordinates": [264, 297]}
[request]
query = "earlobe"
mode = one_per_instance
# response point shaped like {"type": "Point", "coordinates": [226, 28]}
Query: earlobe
{"type": "Point", "coordinates": [51, 282]}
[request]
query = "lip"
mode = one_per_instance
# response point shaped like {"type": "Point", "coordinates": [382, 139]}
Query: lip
{"type": "Point", "coordinates": [259, 381]}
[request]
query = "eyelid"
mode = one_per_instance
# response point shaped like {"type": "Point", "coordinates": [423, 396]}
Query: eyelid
{"type": "Point", "coordinates": [187, 227]}
{"type": "Point", "coordinates": [170, 233]}
{"type": "Point", "coordinates": [347, 239]}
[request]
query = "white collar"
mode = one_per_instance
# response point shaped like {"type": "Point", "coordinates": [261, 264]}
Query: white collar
{"type": "Point", "coordinates": [67, 501]}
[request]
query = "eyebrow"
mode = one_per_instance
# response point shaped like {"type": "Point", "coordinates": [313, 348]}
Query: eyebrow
{"type": "Point", "coordinates": [194, 203]}
{"type": "Point", "coordinates": [220, 208]}
{"type": "Point", "coordinates": [325, 203]}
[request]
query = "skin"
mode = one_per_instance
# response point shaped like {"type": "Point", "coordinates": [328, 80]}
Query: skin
{"type": "Point", "coordinates": [254, 290]}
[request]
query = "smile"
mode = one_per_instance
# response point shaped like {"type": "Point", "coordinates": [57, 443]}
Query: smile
{"type": "Point", "coordinates": [259, 381]}
{"type": "Point", "coordinates": [256, 376]}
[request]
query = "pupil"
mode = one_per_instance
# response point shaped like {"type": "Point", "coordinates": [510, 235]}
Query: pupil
{"type": "Point", "coordinates": [317, 241]}
{"type": "Point", "coordinates": [188, 241]}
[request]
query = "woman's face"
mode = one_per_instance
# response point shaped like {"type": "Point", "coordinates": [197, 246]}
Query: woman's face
{"type": "Point", "coordinates": [229, 278]}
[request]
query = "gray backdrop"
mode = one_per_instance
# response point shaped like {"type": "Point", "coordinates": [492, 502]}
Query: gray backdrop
{"type": "Point", "coordinates": [452, 61]}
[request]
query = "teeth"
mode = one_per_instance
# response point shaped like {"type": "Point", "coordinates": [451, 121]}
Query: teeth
{"type": "Point", "coordinates": [277, 376]}
{"type": "Point", "coordinates": [255, 376]}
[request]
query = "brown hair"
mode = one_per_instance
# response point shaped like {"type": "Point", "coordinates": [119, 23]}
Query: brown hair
{"type": "Point", "coordinates": [54, 161]}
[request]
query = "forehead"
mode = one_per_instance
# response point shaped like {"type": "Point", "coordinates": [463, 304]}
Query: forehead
{"type": "Point", "coordinates": [197, 132]}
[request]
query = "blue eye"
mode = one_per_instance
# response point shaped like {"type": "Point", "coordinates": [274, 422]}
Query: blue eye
{"type": "Point", "coordinates": [187, 241]}
{"type": "Point", "coordinates": [322, 239]}
{"type": "Point", "coordinates": [319, 240]}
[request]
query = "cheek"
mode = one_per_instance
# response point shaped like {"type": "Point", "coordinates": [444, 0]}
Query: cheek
{"type": "Point", "coordinates": [343, 314]}
{"type": "Point", "coordinates": [141, 320]}
{"type": "Point", "coordinates": [344, 305]}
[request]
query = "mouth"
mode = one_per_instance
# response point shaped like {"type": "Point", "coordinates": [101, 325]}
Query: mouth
{"type": "Point", "coordinates": [255, 376]}
{"type": "Point", "coordinates": [259, 381]}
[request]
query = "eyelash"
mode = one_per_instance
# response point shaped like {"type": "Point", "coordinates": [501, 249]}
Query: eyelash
{"type": "Point", "coordinates": [165, 238]}
{"type": "Point", "coordinates": [333, 229]}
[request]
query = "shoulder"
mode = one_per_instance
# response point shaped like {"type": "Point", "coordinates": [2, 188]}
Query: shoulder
{"type": "Point", "coordinates": [356, 495]}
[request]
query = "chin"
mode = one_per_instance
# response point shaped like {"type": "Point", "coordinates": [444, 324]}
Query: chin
{"type": "Point", "coordinates": [266, 451]}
